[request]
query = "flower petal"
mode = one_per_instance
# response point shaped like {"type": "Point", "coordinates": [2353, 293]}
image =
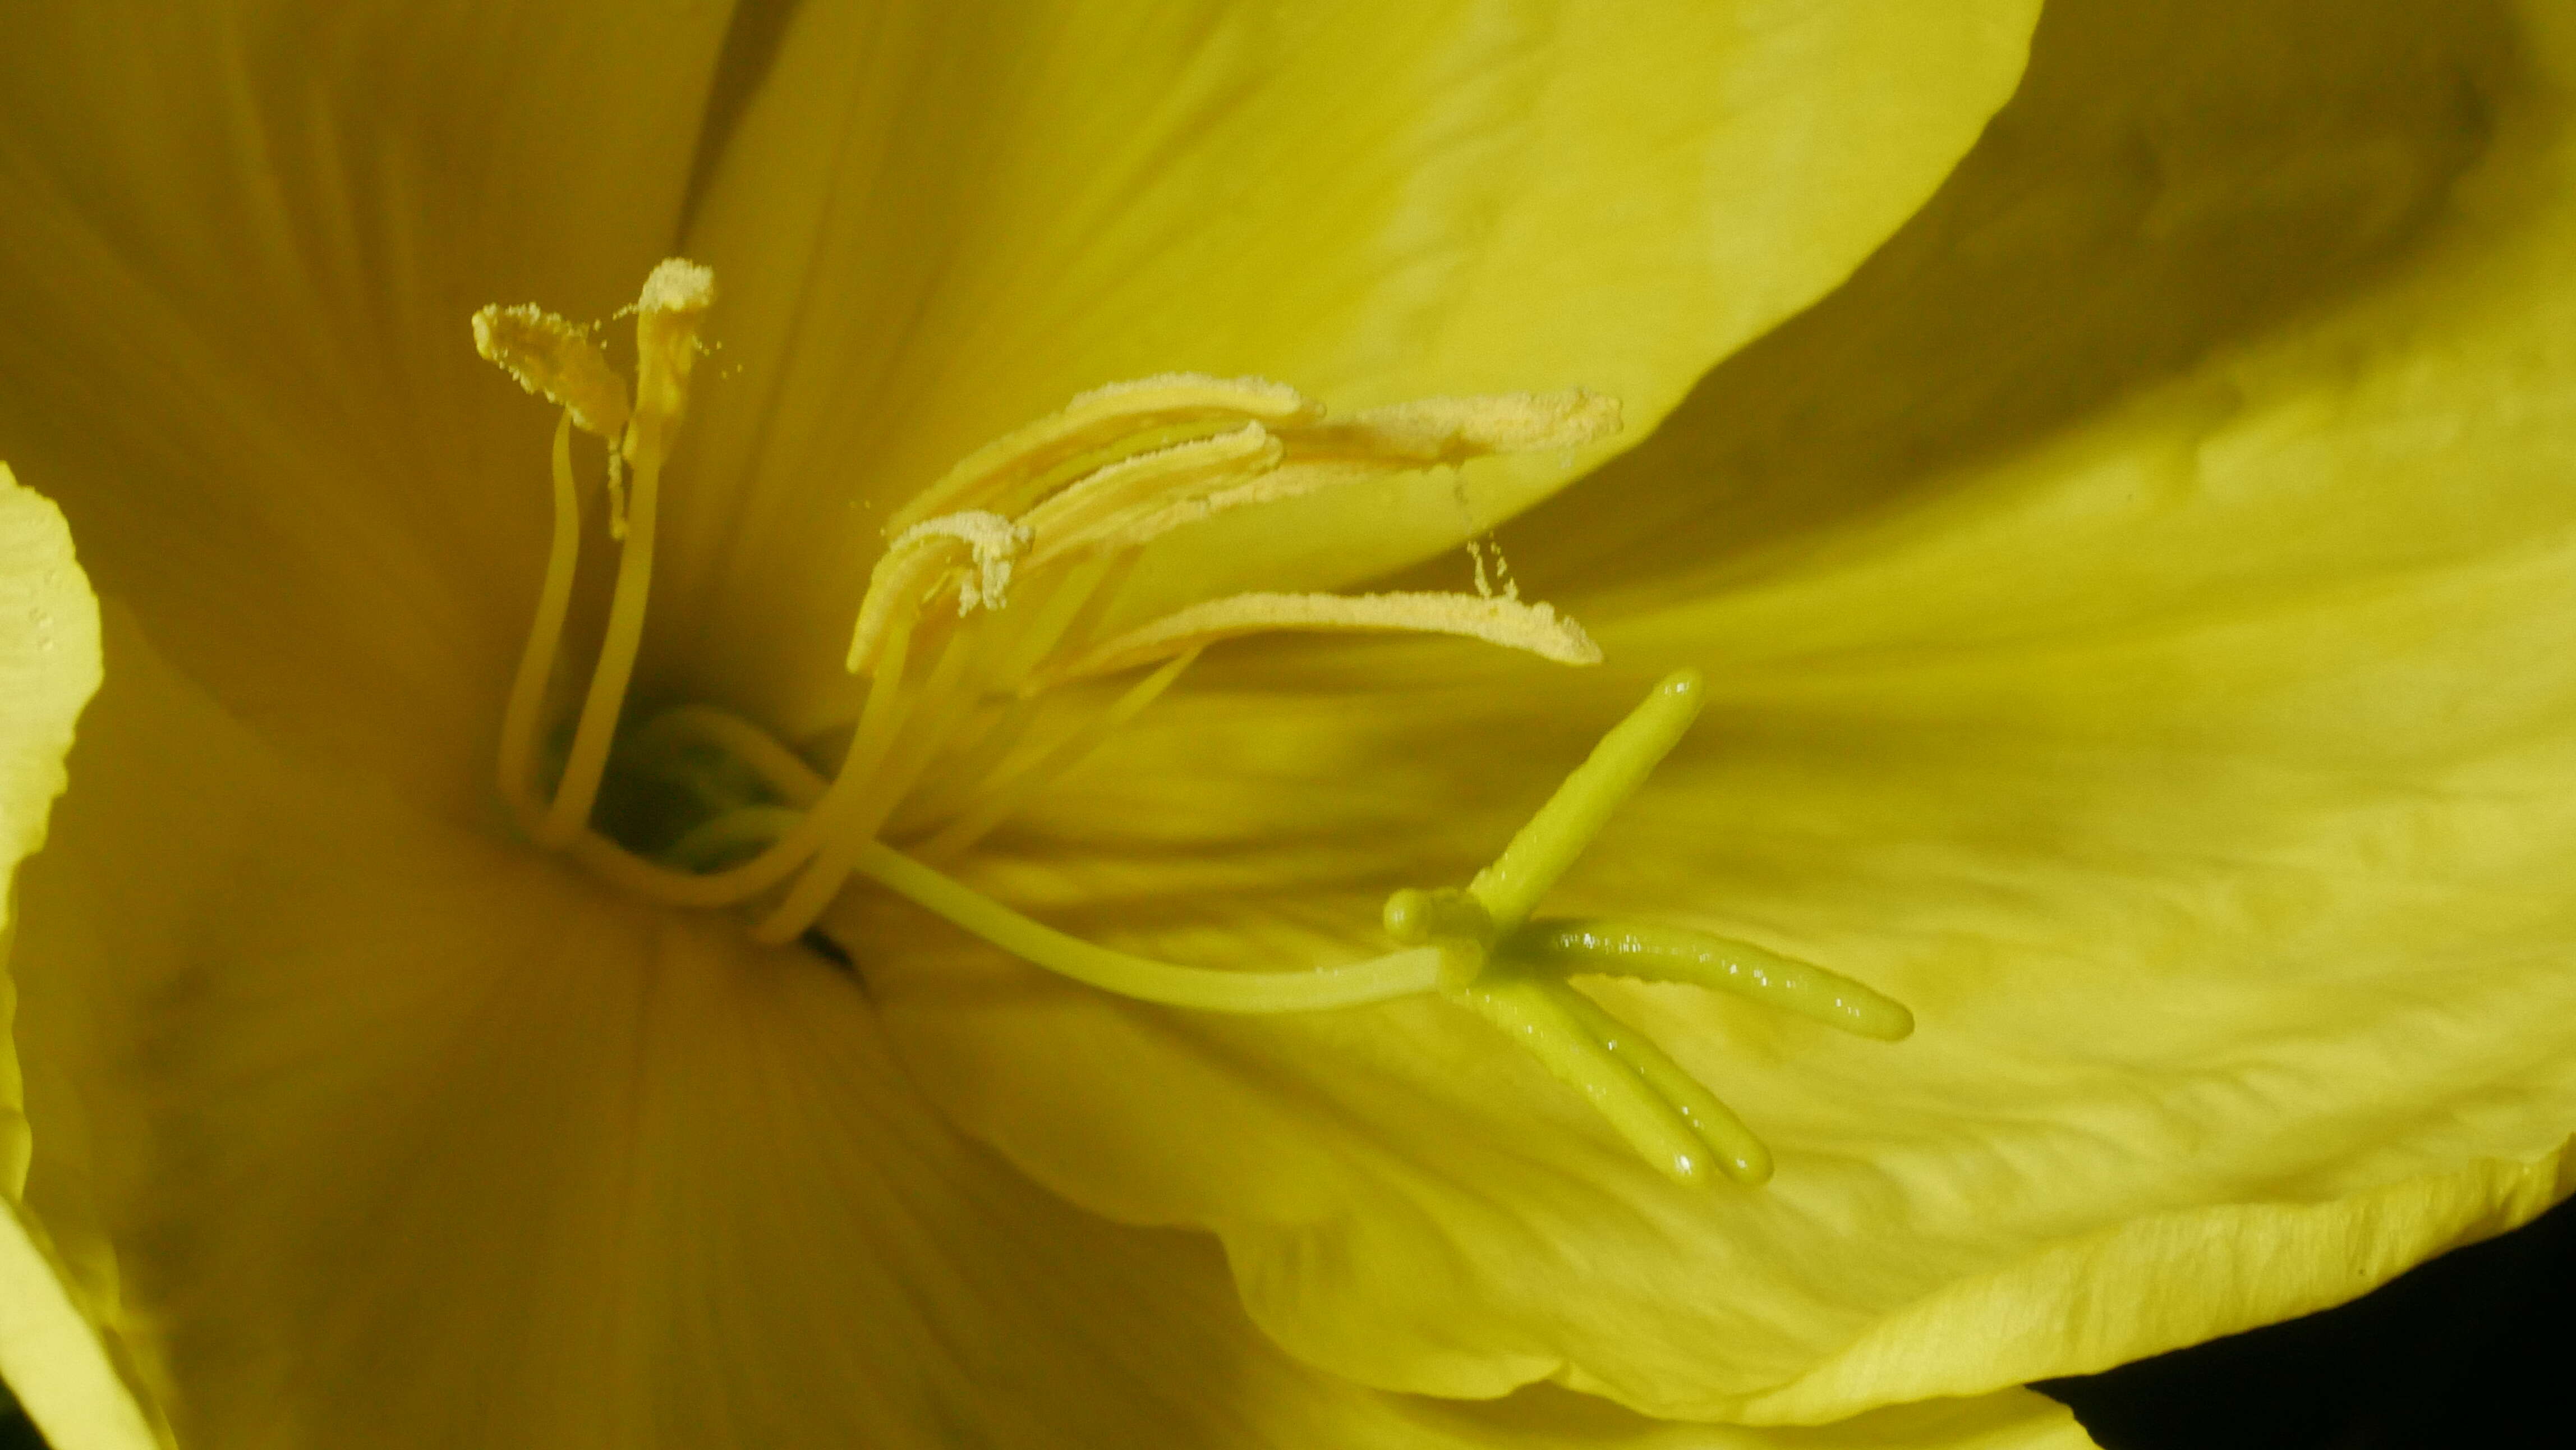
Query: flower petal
{"type": "Point", "coordinates": [2195, 763]}
{"type": "Point", "coordinates": [49, 1351]}
{"type": "Point", "coordinates": [408, 1139]}
{"type": "Point", "coordinates": [243, 242]}
{"type": "Point", "coordinates": [936, 224]}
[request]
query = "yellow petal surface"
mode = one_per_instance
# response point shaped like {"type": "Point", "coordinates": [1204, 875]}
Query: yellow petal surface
{"type": "Point", "coordinates": [938, 223]}
{"type": "Point", "coordinates": [244, 242]}
{"type": "Point", "coordinates": [2178, 719]}
{"type": "Point", "coordinates": [407, 1139]}
{"type": "Point", "coordinates": [50, 1353]}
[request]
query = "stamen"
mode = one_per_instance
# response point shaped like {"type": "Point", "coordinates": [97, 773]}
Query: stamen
{"type": "Point", "coordinates": [722, 838]}
{"type": "Point", "coordinates": [522, 718]}
{"type": "Point", "coordinates": [1536, 628]}
{"type": "Point", "coordinates": [668, 314]}
{"type": "Point", "coordinates": [1013, 791]}
{"type": "Point", "coordinates": [1289, 480]}
{"type": "Point", "coordinates": [1435, 431]}
{"type": "Point", "coordinates": [992, 476]}
{"type": "Point", "coordinates": [865, 811]}
{"type": "Point", "coordinates": [993, 542]}
{"type": "Point", "coordinates": [1096, 508]}
{"type": "Point", "coordinates": [667, 733]}
{"type": "Point", "coordinates": [897, 586]}
{"type": "Point", "coordinates": [558, 361]}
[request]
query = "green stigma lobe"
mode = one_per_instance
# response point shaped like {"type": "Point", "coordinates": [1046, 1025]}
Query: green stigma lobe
{"type": "Point", "coordinates": [1654, 953]}
{"type": "Point", "coordinates": [1548, 844]}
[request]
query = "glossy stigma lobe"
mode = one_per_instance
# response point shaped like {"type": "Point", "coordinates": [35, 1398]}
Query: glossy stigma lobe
{"type": "Point", "coordinates": [1512, 974]}
{"type": "Point", "coordinates": [1544, 848]}
{"type": "Point", "coordinates": [1652, 953]}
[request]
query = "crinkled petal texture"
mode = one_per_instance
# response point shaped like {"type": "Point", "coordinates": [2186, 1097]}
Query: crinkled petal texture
{"type": "Point", "coordinates": [939, 222]}
{"type": "Point", "coordinates": [49, 665]}
{"type": "Point", "coordinates": [410, 1139]}
{"type": "Point", "coordinates": [2180, 718]}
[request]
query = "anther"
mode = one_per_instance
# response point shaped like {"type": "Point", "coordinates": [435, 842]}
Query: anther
{"type": "Point", "coordinates": [556, 360]}
{"type": "Point", "coordinates": [668, 314]}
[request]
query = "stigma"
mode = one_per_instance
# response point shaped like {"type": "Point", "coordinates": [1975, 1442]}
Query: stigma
{"type": "Point", "coordinates": [985, 666]}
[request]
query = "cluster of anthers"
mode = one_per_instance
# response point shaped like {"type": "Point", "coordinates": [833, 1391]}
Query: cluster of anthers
{"type": "Point", "coordinates": [990, 596]}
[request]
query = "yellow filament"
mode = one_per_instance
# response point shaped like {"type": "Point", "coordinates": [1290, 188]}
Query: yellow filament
{"type": "Point", "coordinates": [522, 718]}
{"type": "Point", "coordinates": [866, 810]}
{"type": "Point", "coordinates": [878, 720]}
{"type": "Point", "coordinates": [1068, 613]}
{"type": "Point", "coordinates": [1098, 505]}
{"type": "Point", "coordinates": [1009, 794]}
{"type": "Point", "coordinates": [607, 697]}
{"type": "Point", "coordinates": [996, 475]}
{"type": "Point", "coordinates": [967, 771]}
{"type": "Point", "coordinates": [1536, 628]}
{"type": "Point", "coordinates": [777, 766]}
{"type": "Point", "coordinates": [1007, 661]}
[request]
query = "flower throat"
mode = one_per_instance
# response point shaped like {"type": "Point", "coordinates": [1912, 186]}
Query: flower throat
{"type": "Point", "coordinates": [988, 605]}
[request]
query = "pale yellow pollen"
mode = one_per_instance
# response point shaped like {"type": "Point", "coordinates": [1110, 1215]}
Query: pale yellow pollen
{"type": "Point", "coordinates": [1433, 431]}
{"type": "Point", "coordinates": [1141, 527]}
{"type": "Point", "coordinates": [557, 361]}
{"type": "Point", "coordinates": [904, 576]}
{"type": "Point", "coordinates": [992, 541]}
{"type": "Point", "coordinates": [1101, 507]}
{"type": "Point", "coordinates": [1535, 628]}
{"type": "Point", "coordinates": [668, 314]}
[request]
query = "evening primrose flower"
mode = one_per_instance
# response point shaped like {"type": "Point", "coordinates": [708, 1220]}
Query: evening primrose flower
{"type": "Point", "coordinates": [2126, 615]}
{"type": "Point", "coordinates": [354, 1117]}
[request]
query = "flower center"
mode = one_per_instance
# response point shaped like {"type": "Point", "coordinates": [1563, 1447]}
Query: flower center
{"type": "Point", "coordinates": [985, 614]}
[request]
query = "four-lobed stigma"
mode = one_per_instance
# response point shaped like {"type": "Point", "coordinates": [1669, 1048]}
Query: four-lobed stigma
{"type": "Point", "coordinates": [983, 631]}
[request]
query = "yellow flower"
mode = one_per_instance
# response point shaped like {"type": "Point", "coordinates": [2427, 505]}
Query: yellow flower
{"type": "Point", "coordinates": [2126, 610]}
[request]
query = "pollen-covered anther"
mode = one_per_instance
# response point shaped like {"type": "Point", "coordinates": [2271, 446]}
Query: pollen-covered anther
{"type": "Point", "coordinates": [557, 361]}
{"type": "Point", "coordinates": [1431, 431]}
{"type": "Point", "coordinates": [668, 315]}
{"type": "Point", "coordinates": [992, 543]}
